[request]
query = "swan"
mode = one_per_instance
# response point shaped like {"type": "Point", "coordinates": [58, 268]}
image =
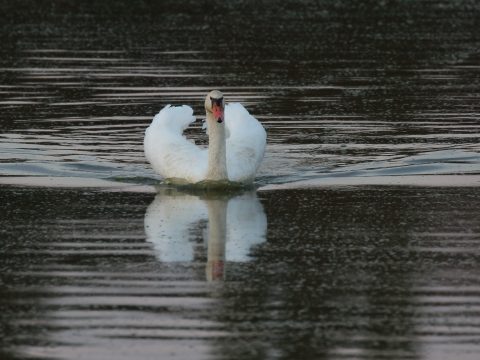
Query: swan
{"type": "Point", "coordinates": [236, 143]}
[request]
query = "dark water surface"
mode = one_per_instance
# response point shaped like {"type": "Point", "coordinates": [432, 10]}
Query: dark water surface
{"type": "Point", "coordinates": [380, 98]}
{"type": "Point", "coordinates": [340, 273]}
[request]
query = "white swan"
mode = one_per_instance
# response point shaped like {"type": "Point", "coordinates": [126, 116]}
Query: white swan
{"type": "Point", "coordinates": [235, 151]}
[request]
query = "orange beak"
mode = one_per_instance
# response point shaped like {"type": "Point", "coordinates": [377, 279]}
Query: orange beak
{"type": "Point", "coordinates": [218, 113]}
{"type": "Point", "coordinates": [218, 270]}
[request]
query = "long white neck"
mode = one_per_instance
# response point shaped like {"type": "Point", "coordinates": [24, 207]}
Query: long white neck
{"type": "Point", "coordinates": [217, 150]}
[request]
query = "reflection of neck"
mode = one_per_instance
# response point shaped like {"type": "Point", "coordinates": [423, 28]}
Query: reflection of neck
{"type": "Point", "coordinates": [217, 157]}
{"type": "Point", "coordinates": [217, 233]}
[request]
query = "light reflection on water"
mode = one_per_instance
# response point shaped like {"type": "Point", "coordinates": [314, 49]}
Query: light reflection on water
{"type": "Point", "coordinates": [341, 272]}
{"type": "Point", "coordinates": [232, 225]}
{"type": "Point", "coordinates": [92, 125]}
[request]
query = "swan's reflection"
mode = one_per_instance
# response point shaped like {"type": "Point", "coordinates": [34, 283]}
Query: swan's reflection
{"type": "Point", "coordinates": [230, 226]}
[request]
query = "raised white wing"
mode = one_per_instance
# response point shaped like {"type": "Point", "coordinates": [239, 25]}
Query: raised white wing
{"type": "Point", "coordinates": [170, 153]}
{"type": "Point", "coordinates": [245, 143]}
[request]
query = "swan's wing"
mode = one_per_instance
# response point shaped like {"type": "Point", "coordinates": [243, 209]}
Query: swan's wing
{"type": "Point", "coordinates": [246, 226]}
{"type": "Point", "coordinates": [168, 151]}
{"type": "Point", "coordinates": [245, 144]}
{"type": "Point", "coordinates": [171, 225]}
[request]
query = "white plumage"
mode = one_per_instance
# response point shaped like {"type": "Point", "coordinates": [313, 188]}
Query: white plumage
{"type": "Point", "coordinates": [168, 151]}
{"type": "Point", "coordinates": [172, 155]}
{"type": "Point", "coordinates": [245, 143]}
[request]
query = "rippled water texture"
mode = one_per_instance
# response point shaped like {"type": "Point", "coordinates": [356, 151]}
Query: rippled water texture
{"type": "Point", "coordinates": [360, 241]}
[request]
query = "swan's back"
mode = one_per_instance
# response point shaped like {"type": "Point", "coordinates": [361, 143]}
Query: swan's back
{"type": "Point", "coordinates": [168, 151]}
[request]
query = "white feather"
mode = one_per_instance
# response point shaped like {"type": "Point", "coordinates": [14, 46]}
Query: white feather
{"type": "Point", "coordinates": [170, 153]}
{"type": "Point", "coordinates": [245, 143]}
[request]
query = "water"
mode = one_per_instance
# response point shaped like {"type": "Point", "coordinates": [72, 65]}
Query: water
{"type": "Point", "coordinates": [361, 240]}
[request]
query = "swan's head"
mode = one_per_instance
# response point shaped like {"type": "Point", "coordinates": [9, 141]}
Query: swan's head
{"type": "Point", "coordinates": [214, 104]}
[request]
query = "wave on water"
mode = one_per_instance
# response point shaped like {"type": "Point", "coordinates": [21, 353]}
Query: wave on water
{"type": "Point", "coordinates": [437, 168]}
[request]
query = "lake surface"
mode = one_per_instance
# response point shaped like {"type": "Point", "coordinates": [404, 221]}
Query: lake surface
{"type": "Point", "coordinates": [361, 239]}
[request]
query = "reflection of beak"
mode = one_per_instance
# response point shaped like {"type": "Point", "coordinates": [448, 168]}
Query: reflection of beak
{"type": "Point", "coordinates": [215, 270]}
{"type": "Point", "coordinates": [217, 113]}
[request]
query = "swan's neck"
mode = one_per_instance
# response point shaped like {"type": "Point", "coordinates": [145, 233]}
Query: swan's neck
{"type": "Point", "coordinates": [217, 153]}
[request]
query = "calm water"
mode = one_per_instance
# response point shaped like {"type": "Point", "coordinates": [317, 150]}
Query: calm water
{"type": "Point", "coordinates": [361, 241]}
